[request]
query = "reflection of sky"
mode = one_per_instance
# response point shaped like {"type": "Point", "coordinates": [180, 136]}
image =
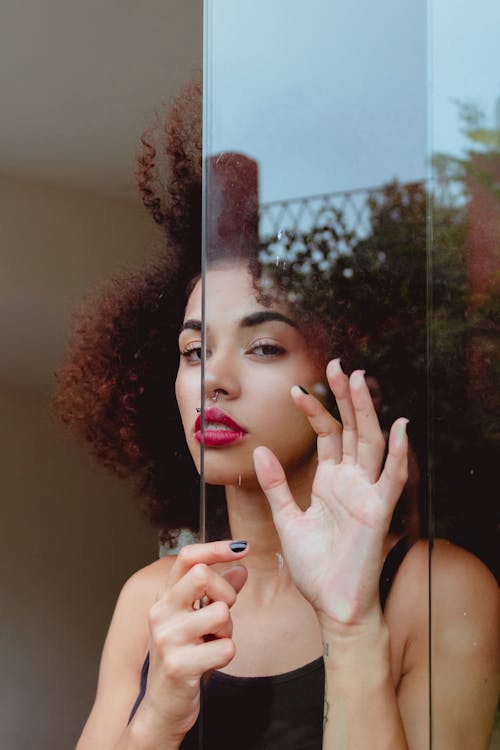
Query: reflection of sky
{"type": "Point", "coordinates": [466, 65]}
{"type": "Point", "coordinates": [331, 95]}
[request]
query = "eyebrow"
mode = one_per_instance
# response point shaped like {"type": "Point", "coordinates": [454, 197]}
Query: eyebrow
{"type": "Point", "coordinates": [190, 325]}
{"type": "Point", "coordinates": [249, 321]}
{"type": "Point", "coordinates": [264, 316]}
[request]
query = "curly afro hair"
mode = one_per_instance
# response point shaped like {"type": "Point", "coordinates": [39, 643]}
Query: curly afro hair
{"type": "Point", "coordinates": [115, 388]}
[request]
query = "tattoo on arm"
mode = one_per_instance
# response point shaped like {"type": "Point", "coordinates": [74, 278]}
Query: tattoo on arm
{"type": "Point", "coordinates": [326, 709]}
{"type": "Point", "coordinates": [326, 705]}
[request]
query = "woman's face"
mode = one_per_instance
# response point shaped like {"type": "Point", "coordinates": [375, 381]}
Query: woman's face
{"type": "Point", "coordinates": [254, 354]}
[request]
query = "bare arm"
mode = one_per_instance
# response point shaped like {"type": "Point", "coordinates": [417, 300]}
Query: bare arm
{"type": "Point", "coordinates": [157, 612]}
{"type": "Point", "coordinates": [361, 707]}
{"type": "Point", "coordinates": [122, 658]}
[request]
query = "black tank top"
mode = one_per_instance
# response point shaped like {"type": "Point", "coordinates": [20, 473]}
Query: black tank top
{"type": "Point", "coordinates": [280, 712]}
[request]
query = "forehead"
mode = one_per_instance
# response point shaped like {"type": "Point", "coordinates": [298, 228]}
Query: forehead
{"type": "Point", "coordinates": [229, 292]}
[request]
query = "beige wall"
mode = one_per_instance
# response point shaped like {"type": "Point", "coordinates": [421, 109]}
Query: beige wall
{"type": "Point", "coordinates": [71, 533]}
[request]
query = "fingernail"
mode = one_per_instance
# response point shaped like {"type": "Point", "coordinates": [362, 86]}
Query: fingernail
{"type": "Point", "coordinates": [358, 377]}
{"type": "Point", "coordinates": [238, 546]}
{"type": "Point", "coordinates": [335, 363]}
{"type": "Point", "coordinates": [400, 432]}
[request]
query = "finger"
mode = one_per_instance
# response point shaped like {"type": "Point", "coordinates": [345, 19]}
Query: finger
{"type": "Point", "coordinates": [212, 654]}
{"type": "Point", "coordinates": [200, 582]}
{"type": "Point", "coordinates": [209, 554]}
{"type": "Point", "coordinates": [395, 471]}
{"type": "Point", "coordinates": [371, 443]}
{"type": "Point", "coordinates": [213, 620]}
{"type": "Point", "coordinates": [327, 428]}
{"type": "Point", "coordinates": [236, 576]}
{"type": "Point", "coordinates": [273, 482]}
{"type": "Point", "coordinates": [194, 660]}
{"type": "Point", "coordinates": [339, 383]}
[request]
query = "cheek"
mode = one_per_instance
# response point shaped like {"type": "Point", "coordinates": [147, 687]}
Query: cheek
{"type": "Point", "coordinates": [280, 420]}
{"type": "Point", "coordinates": [187, 392]}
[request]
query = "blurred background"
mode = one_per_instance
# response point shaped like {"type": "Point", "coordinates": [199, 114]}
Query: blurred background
{"type": "Point", "coordinates": [79, 83]}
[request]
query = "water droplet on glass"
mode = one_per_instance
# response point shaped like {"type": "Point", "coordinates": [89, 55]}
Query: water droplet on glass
{"type": "Point", "coordinates": [277, 261]}
{"type": "Point", "coordinates": [280, 234]}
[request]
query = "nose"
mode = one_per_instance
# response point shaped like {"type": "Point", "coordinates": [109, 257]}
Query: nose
{"type": "Point", "coordinates": [222, 381]}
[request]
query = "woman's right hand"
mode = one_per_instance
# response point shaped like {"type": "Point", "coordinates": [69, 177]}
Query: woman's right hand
{"type": "Point", "coordinates": [187, 641]}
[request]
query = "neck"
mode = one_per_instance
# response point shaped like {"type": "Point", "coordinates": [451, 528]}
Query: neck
{"type": "Point", "coordinates": [250, 518]}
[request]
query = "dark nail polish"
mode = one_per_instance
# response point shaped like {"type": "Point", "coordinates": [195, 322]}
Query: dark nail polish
{"type": "Point", "coordinates": [304, 390]}
{"type": "Point", "coordinates": [238, 546]}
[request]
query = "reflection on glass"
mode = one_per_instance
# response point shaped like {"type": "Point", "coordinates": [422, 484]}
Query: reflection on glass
{"type": "Point", "coordinates": [465, 364]}
{"type": "Point", "coordinates": [339, 272]}
{"type": "Point", "coordinates": [348, 265]}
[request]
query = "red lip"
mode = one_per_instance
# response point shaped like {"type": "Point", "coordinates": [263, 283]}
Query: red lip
{"type": "Point", "coordinates": [217, 437]}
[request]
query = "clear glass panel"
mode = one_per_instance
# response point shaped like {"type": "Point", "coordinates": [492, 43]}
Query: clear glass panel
{"type": "Point", "coordinates": [465, 365]}
{"type": "Point", "coordinates": [315, 248]}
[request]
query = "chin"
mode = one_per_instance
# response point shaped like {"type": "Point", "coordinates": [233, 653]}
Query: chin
{"type": "Point", "coordinates": [222, 471]}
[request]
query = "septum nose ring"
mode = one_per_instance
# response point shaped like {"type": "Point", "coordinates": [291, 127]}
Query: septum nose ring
{"type": "Point", "coordinates": [212, 398]}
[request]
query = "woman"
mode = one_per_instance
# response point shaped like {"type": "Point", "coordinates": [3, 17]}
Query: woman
{"type": "Point", "coordinates": [294, 594]}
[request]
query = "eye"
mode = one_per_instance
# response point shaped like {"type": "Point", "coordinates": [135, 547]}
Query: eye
{"type": "Point", "coordinates": [266, 349]}
{"type": "Point", "coordinates": [192, 353]}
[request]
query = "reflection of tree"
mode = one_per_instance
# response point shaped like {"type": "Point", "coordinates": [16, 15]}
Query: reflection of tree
{"type": "Point", "coordinates": [373, 294]}
{"type": "Point", "coordinates": [466, 400]}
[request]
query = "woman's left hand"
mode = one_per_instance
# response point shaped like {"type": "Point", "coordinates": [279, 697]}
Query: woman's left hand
{"type": "Point", "coordinates": [335, 549]}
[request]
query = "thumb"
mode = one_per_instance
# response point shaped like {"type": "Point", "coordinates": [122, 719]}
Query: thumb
{"type": "Point", "coordinates": [273, 482]}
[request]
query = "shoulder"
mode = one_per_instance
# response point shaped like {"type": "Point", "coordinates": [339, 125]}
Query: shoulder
{"type": "Point", "coordinates": [449, 579]}
{"type": "Point", "coordinates": [447, 569]}
{"type": "Point", "coordinates": [143, 586]}
{"type": "Point", "coordinates": [445, 610]}
{"type": "Point", "coordinates": [465, 604]}
{"type": "Point", "coordinates": [136, 598]}
{"type": "Point", "coordinates": [450, 588]}
{"type": "Point", "coordinates": [127, 641]}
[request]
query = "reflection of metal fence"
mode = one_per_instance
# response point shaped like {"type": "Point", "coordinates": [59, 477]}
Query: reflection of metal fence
{"type": "Point", "coordinates": [347, 213]}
